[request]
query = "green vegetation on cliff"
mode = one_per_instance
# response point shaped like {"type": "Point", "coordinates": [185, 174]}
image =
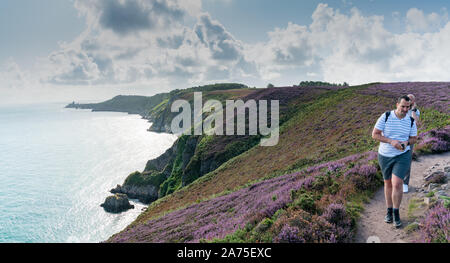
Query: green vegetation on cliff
{"type": "Point", "coordinates": [185, 162]}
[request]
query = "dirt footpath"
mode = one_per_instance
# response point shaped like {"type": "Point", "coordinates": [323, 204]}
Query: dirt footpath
{"type": "Point", "coordinates": [371, 226]}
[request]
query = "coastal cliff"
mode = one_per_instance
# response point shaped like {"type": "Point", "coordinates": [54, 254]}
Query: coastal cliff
{"type": "Point", "coordinates": [190, 157]}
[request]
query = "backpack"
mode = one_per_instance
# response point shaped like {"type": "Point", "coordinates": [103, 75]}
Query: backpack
{"type": "Point", "coordinates": [387, 113]}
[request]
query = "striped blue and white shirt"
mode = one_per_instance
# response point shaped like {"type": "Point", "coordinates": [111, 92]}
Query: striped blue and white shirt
{"type": "Point", "coordinates": [394, 129]}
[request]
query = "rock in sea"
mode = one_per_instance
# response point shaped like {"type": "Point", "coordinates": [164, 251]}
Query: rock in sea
{"type": "Point", "coordinates": [117, 203]}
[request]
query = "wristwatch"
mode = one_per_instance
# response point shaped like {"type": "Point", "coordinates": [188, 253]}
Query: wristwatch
{"type": "Point", "coordinates": [415, 110]}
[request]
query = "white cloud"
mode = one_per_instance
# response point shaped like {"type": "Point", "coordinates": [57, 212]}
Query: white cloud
{"type": "Point", "coordinates": [417, 21]}
{"type": "Point", "coordinates": [154, 44]}
{"type": "Point", "coordinates": [73, 67]}
{"type": "Point", "coordinates": [12, 77]}
{"type": "Point", "coordinates": [353, 48]}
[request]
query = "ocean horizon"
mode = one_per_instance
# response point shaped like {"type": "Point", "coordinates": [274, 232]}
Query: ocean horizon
{"type": "Point", "coordinates": [57, 166]}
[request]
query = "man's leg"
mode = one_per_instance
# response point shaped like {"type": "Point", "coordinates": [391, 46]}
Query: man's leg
{"type": "Point", "coordinates": [388, 192]}
{"type": "Point", "coordinates": [386, 165]}
{"type": "Point", "coordinates": [408, 173]}
{"type": "Point", "coordinates": [397, 194]}
{"type": "Point", "coordinates": [389, 218]}
{"type": "Point", "coordinates": [397, 191]}
{"type": "Point", "coordinates": [399, 171]}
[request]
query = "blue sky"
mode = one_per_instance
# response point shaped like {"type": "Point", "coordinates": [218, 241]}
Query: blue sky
{"type": "Point", "coordinates": [56, 49]}
{"type": "Point", "coordinates": [33, 28]}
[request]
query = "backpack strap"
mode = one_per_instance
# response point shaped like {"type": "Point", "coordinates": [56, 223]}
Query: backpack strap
{"type": "Point", "coordinates": [412, 121]}
{"type": "Point", "coordinates": [387, 113]}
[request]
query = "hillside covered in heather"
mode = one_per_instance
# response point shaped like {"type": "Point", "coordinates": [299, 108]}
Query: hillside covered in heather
{"type": "Point", "coordinates": [310, 187]}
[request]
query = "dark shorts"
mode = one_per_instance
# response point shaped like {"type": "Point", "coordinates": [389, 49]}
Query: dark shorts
{"type": "Point", "coordinates": [397, 165]}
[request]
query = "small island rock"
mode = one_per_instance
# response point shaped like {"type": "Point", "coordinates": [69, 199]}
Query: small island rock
{"type": "Point", "coordinates": [117, 203]}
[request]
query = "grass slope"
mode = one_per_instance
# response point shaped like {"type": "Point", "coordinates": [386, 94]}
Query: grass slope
{"type": "Point", "coordinates": [323, 129]}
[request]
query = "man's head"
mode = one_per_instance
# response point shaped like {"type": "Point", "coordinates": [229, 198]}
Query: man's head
{"type": "Point", "coordinates": [412, 98]}
{"type": "Point", "coordinates": [403, 104]}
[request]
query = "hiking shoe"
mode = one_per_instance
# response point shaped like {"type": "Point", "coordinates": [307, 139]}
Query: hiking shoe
{"type": "Point", "coordinates": [397, 223]}
{"type": "Point", "coordinates": [388, 218]}
{"type": "Point", "coordinates": [405, 188]}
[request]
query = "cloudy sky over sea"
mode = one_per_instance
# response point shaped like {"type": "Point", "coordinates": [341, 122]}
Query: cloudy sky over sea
{"type": "Point", "coordinates": [62, 50]}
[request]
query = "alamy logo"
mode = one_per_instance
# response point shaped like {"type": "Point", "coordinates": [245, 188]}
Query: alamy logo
{"type": "Point", "coordinates": [182, 123]}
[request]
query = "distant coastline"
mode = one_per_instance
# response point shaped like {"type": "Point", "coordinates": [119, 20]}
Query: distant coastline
{"type": "Point", "coordinates": [126, 104]}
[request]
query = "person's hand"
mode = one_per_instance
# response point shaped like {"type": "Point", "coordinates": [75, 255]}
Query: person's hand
{"type": "Point", "coordinates": [397, 145]}
{"type": "Point", "coordinates": [405, 143]}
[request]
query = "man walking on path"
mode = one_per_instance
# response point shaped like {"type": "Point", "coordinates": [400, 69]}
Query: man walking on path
{"type": "Point", "coordinates": [415, 114]}
{"type": "Point", "coordinates": [396, 132]}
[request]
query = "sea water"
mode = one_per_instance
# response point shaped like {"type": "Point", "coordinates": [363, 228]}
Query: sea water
{"type": "Point", "coordinates": [57, 166]}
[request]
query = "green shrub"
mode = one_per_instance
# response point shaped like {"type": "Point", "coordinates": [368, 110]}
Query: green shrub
{"type": "Point", "coordinates": [278, 214]}
{"type": "Point", "coordinates": [432, 119]}
{"type": "Point", "coordinates": [264, 225]}
{"type": "Point", "coordinates": [305, 202]}
{"type": "Point", "coordinates": [322, 182]}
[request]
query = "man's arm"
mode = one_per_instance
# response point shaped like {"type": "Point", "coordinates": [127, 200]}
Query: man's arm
{"type": "Point", "coordinates": [376, 134]}
{"type": "Point", "coordinates": [412, 140]}
{"type": "Point", "coordinates": [414, 114]}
